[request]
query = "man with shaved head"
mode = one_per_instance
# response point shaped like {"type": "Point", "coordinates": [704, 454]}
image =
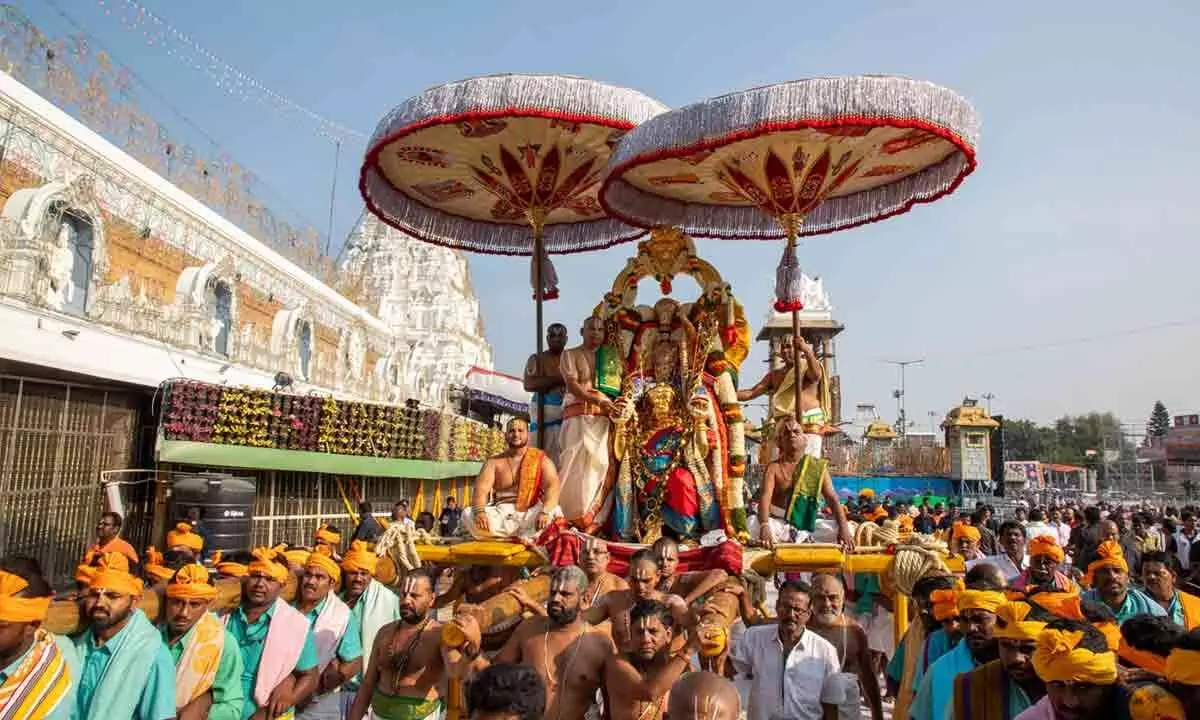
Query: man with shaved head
{"type": "Point", "coordinates": [594, 561]}
{"type": "Point", "coordinates": [704, 696]}
{"type": "Point", "coordinates": [829, 620]}
{"type": "Point", "coordinates": [567, 653]}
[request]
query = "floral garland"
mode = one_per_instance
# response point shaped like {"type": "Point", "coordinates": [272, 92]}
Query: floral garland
{"type": "Point", "coordinates": [199, 412]}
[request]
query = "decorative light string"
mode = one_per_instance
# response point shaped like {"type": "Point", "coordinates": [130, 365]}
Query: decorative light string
{"type": "Point", "coordinates": [181, 46]}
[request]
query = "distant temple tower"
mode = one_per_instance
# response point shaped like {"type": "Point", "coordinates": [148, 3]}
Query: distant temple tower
{"type": "Point", "coordinates": [424, 293]}
{"type": "Point", "coordinates": [969, 440]}
{"type": "Point", "coordinates": [818, 327]}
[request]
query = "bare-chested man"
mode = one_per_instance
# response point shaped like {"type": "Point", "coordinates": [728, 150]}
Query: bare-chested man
{"type": "Point", "coordinates": [781, 384]}
{"type": "Point", "coordinates": [407, 663]}
{"type": "Point", "coordinates": [850, 640]}
{"type": "Point", "coordinates": [566, 652]}
{"type": "Point", "coordinates": [594, 561]}
{"type": "Point", "coordinates": [637, 682]}
{"type": "Point", "coordinates": [791, 491]}
{"type": "Point", "coordinates": [544, 379]}
{"type": "Point", "coordinates": [584, 444]}
{"type": "Point", "coordinates": [692, 586]}
{"type": "Point", "coordinates": [522, 484]}
{"type": "Point", "coordinates": [644, 579]}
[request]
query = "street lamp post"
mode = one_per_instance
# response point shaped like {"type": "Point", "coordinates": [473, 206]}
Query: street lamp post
{"type": "Point", "coordinates": [902, 430]}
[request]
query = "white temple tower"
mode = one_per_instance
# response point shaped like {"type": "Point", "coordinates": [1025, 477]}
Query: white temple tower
{"type": "Point", "coordinates": [424, 293]}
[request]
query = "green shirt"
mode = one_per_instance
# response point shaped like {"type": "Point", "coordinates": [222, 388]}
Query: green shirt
{"type": "Point", "coordinates": [155, 694]}
{"type": "Point", "coordinates": [228, 697]}
{"type": "Point", "coordinates": [251, 637]}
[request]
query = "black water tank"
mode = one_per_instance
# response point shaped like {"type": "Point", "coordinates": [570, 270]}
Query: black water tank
{"type": "Point", "coordinates": [226, 501]}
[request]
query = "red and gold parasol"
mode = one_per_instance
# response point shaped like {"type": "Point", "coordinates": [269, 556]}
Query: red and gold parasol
{"type": "Point", "coordinates": [506, 165]}
{"type": "Point", "coordinates": [798, 158]}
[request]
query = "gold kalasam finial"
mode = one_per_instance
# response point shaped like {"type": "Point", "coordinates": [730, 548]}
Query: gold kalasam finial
{"type": "Point", "coordinates": [791, 222]}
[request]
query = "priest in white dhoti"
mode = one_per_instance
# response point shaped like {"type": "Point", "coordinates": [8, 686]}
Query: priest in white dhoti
{"type": "Point", "coordinates": [516, 493]}
{"type": "Point", "coordinates": [583, 440]}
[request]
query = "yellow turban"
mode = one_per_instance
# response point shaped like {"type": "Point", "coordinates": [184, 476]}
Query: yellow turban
{"type": "Point", "coordinates": [877, 514]}
{"type": "Point", "coordinates": [906, 523]}
{"type": "Point", "coordinates": [1011, 623]}
{"type": "Point", "coordinates": [360, 558]}
{"type": "Point", "coordinates": [945, 602]}
{"type": "Point", "coordinates": [1109, 555]}
{"type": "Point", "coordinates": [320, 559]}
{"type": "Point", "coordinates": [1044, 545]}
{"type": "Point", "coordinates": [297, 557]}
{"type": "Point", "coordinates": [1059, 658]}
{"type": "Point", "coordinates": [964, 531]}
{"type": "Point", "coordinates": [1152, 702]}
{"type": "Point", "coordinates": [1183, 667]}
{"type": "Point", "coordinates": [867, 493]}
{"type": "Point", "coordinates": [333, 537]}
{"type": "Point", "coordinates": [182, 536]}
{"type": "Point", "coordinates": [264, 564]}
{"type": "Point", "coordinates": [989, 600]}
{"type": "Point", "coordinates": [112, 573]}
{"type": "Point", "coordinates": [20, 609]}
{"type": "Point", "coordinates": [154, 565]}
{"type": "Point", "coordinates": [191, 583]}
{"type": "Point", "coordinates": [232, 569]}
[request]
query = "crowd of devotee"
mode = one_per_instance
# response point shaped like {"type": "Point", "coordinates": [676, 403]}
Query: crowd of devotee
{"type": "Point", "coordinates": [1060, 612]}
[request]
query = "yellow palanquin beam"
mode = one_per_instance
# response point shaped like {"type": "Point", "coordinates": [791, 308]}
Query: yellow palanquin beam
{"type": "Point", "coordinates": [785, 558]}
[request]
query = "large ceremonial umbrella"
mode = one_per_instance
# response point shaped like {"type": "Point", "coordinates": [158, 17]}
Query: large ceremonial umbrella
{"type": "Point", "coordinates": [798, 158]}
{"type": "Point", "coordinates": [505, 165]}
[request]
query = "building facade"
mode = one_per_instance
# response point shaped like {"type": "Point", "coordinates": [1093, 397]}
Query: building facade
{"type": "Point", "coordinates": [114, 280]}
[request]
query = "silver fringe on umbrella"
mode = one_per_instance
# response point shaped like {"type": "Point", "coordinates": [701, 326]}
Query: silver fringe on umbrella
{"type": "Point", "coordinates": [496, 96]}
{"type": "Point", "coordinates": [864, 100]}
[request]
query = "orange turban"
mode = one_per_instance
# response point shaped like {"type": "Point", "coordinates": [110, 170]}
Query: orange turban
{"type": "Point", "coordinates": [182, 536]}
{"type": "Point", "coordinates": [360, 558]}
{"type": "Point", "coordinates": [1111, 632]}
{"type": "Point", "coordinates": [867, 493]}
{"type": "Point", "coordinates": [877, 514]}
{"type": "Point", "coordinates": [1156, 664]}
{"type": "Point", "coordinates": [989, 600]}
{"type": "Point", "coordinates": [1065, 605]}
{"type": "Point", "coordinates": [295, 557]}
{"type": "Point", "coordinates": [1183, 667]}
{"type": "Point", "coordinates": [964, 531]}
{"type": "Point", "coordinates": [154, 565]}
{"type": "Point", "coordinates": [232, 569]}
{"type": "Point", "coordinates": [945, 602]}
{"type": "Point", "coordinates": [333, 537]}
{"type": "Point", "coordinates": [191, 583]}
{"type": "Point", "coordinates": [1011, 623]}
{"type": "Point", "coordinates": [20, 609]}
{"type": "Point", "coordinates": [1046, 545]}
{"type": "Point", "coordinates": [906, 522]}
{"type": "Point", "coordinates": [1059, 658]}
{"type": "Point", "coordinates": [112, 573]}
{"type": "Point", "coordinates": [265, 564]}
{"type": "Point", "coordinates": [1109, 555]}
{"type": "Point", "coordinates": [320, 559]}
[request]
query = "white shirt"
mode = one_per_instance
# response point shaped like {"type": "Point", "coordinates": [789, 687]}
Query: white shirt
{"type": "Point", "coordinates": [1064, 533]}
{"type": "Point", "coordinates": [1004, 563]}
{"type": "Point", "coordinates": [793, 688]}
{"type": "Point", "coordinates": [1183, 548]}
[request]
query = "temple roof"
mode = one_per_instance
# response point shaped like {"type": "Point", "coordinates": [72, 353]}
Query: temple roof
{"type": "Point", "coordinates": [817, 312]}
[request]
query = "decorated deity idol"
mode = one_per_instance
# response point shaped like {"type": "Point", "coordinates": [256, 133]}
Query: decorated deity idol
{"type": "Point", "coordinates": [677, 438]}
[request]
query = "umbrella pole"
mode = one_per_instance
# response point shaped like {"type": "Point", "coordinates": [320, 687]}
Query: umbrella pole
{"type": "Point", "coordinates": [796, 360]}
{"type": "Point", "coordinates": [537, 219]}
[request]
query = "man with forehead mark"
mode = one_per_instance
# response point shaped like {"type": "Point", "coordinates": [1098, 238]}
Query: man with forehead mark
{"type": "Point", "coordinates": [594, 561]}
{"type": "Point", "coordinates": [516, 493]}
{"type": "Point", "coordinates": [691, 586]}
{"type": "Point", "coordinates": [407, 666]}
{"type": "Point", "coordinates": [544, 379]}
{"type": "Point", "coordinates": [567, 653]}
{"type": "Point", "coordinates": [644, 579]}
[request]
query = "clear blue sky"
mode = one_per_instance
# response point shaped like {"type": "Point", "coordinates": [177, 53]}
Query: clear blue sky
{"type": "Point", "coordinates": [1081, 221]}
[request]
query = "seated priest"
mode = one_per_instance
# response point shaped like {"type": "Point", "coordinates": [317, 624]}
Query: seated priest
{"type": "Point", "coordinates": [522, 486]}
